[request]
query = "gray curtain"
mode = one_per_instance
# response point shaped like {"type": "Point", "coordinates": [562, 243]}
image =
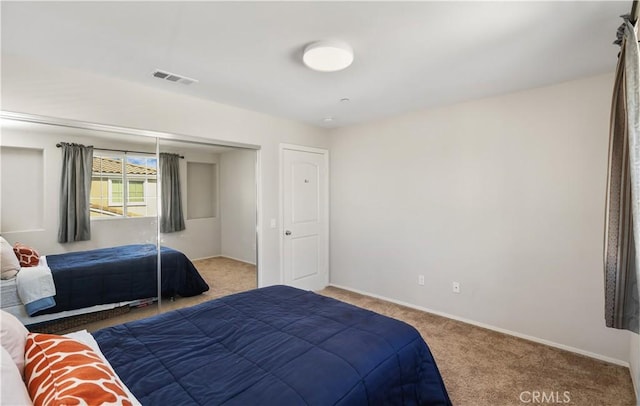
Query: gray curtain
{"type": "Point", "coordinates": [622, 219]}
{"type": "Point", "coordinates": [75, 188]}
{"type": "Point", "coordinates": [171, 217]}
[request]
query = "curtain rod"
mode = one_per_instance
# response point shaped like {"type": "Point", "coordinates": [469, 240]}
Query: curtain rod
{"type": "Point", "coordinates": [121, 150]}
{"type": "Point", "coordinates": [632, 18]}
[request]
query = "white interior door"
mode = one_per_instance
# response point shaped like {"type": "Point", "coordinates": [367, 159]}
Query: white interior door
{"type": "Point", "coordinates": [305, 217]}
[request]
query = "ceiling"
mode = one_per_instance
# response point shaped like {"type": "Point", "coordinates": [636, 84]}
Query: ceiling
{"type": "Point", "coordinates": [408, 55]}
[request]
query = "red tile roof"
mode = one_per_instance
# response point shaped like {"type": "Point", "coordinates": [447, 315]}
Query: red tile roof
{"type": "Point", "coordinates": [109, 165]}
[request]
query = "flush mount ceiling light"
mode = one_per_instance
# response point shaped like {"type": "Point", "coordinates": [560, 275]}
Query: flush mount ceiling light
{"type": "Point", "coordinates": [328, 55]}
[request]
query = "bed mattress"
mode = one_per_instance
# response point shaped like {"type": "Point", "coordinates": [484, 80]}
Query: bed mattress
{"type": "Point", "coordinates": [11, 303]}
{"type": "Point", "coordinates": [118, 274]}
{"type": "Point", "coordinates": [9, 293]}
{"type": "Point", "coordinates": [276, 345]}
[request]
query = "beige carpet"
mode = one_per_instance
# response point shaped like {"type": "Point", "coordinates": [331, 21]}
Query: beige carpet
{"type": "Point", "coordinates": [479, 366]}
{"type": "Point", "coordinates": [483, 367]}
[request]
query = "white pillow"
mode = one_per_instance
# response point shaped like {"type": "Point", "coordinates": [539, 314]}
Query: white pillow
{"type": "Point", "coordinates": [13, 336]}
{"type": "Point", "coordinates": [14, 391]}
{"type": "Point", "coordinates": [9, 264]}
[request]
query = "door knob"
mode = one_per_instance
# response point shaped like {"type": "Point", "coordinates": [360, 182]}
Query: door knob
{"type": "Point", "coordinates": [287, 232]}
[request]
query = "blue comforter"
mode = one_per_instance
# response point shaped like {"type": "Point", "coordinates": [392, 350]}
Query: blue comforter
{"type": "Point", "coordinates": [273, 346]}
{"type": "Point", "coordinates": [118, 274]}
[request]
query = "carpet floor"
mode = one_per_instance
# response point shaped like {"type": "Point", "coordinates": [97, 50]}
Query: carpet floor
{"type": "Point", "coordinates": [484, 367]}
{"type": "Point", "coordinates": [479, 366]}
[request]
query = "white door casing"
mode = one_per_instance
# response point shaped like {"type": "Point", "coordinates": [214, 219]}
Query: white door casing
{"type": "Point", "coordinates": [305, 230]}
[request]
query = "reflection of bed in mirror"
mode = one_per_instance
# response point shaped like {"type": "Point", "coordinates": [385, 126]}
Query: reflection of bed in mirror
{"type": "Point", "coordinates": [100, 279]}
{"type": "Point", "coordinates": [12, 304]}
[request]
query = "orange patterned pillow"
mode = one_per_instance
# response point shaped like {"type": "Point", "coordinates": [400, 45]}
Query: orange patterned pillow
{"type": "Point", "coordinates": [62, 371]}
{"type": "Point", "coordinates": [26, 255]}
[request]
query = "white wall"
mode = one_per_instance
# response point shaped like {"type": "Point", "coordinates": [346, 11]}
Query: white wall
{"type": "Point", "coordinates": [22, 188]}
{"type": "Point", "coordinates": [634, 362]}
{"type": "Point", "coordinates": [237, 205]}
{"type": "Point", "coordinates": [30, 87]}
{"type": "Point", "coordinates": [202, 190]}
{"type": "Point", "coordinates": [504, 195]}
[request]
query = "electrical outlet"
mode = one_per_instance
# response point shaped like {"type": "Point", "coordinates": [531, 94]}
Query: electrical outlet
{"type": "Point", "coordinates": [421, 280]}
{"type": "Point", "coordinates": [456, 287]}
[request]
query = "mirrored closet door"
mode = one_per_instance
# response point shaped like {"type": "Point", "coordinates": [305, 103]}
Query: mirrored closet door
{"type": "Point", "coordinates": [47, 171]}
{"type": "Point", "coordinates": [127, 223]}
{"type": "Point", "coordinates": [209, 206]}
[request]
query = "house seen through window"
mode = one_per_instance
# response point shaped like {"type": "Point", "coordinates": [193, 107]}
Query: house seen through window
{"type": "Point", "coordinates": [123, 186]}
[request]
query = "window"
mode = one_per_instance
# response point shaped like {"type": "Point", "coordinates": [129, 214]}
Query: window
{"type": "Point", "coordinates": [136, 192]}
{"type": "Point", "coordinates": [115, 192]}
{"type": "Point", "coordinates": [123, 186]}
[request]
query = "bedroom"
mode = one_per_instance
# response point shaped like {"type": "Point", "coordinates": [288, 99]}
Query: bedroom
{"type": "Point", "coordinates": [500, 191]}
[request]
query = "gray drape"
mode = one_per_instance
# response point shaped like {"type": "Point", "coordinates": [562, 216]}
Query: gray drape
{"type": "Point", "coordinates": [75, 189]}
{"type": "Point", "coordinates": [171, 217]}
{"type": "Point", "coordinates": [622, 219]}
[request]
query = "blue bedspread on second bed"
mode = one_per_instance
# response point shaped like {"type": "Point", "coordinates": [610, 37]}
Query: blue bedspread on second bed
{"type": "Point", "coordinates": [273, 346]}
{"type": "Point", "coordinates": [119, 274]}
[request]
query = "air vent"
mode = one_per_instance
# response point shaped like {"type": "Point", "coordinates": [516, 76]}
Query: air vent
{"type": "Point", "coordinates": [172, 77]}
{"type": "Point", "coordinates": [160, 74]}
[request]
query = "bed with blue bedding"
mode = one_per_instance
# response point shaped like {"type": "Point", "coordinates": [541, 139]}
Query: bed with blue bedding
{"type": "Point", "coordinates": [273, 346]}
{"type": "Point", "coordinates": [120, 274]}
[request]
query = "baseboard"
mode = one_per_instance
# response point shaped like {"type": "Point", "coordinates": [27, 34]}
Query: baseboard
{"type": "Point", "coordinates": [200, 259]}
{"type": "Point", "coordinates": [490, 327]}
{"type": "Point", "coordinates": [225, 256]}
{"type": "Point", "coordinates": [236, 259]}
{"type": "Point", "coordinates": [633, 368]}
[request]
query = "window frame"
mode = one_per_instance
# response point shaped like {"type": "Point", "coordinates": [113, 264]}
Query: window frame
{"type": "Point", "coordinates": [110, 200]}
{"type": "Point", "coordinates": [145, 182]}
{"type": "Point", "coordinates": [125, 180]}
